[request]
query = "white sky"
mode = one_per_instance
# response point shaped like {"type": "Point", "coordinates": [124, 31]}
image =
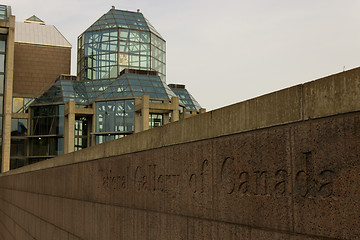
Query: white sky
{"type": "Point", "coordinates": [231, 50]}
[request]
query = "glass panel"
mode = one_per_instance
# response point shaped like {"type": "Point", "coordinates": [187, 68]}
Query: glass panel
{"type": "Point", "coordinates": [2, 44]}
{"type": "Point", "coordinates": [17, 162]}
{"type": "Point", "coordinates": [155, 120]}
{"type": "Point", "coordinates": [46, 146]}
{"type": "Point", "coordinates": [134, 36]}
{"type": "Point", "coordinates": [134, 60]}
{"type": "Point", "coordinates": [124, 34]}
{"type": "Point", "coordinates": [19, 127]}
{"type": "Point", "coordinates": [113, 34]}
{"type": "Point", "coordinates": [47, 120]}
{"type": "Point", "coordinates": [2, 62]}
{"type": "Point", "coordinates": [145, 37]}
{"type": "Point", "coordinates": [1, 104]}
{"type": "Point", "coordinates": [18, 147]}
{"type": "Point", "coordinates": [2, 83]}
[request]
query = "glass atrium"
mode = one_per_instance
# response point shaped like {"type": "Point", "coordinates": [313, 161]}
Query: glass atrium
{"type": "Point", "coordinates": [121, 58]}
{"type": "Point", "coordinates": [119, 40]}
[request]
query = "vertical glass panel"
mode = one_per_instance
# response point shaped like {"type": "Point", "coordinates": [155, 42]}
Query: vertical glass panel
{"type": "Point", "coordinates": [134, 48]}
{"type": "Point", "coordinates": [134, 60]}
{"type": "Point", "coordinates": [2, 83]}
{"type": "Point", "coordinates": [1, 127]}
{"type": "Point", "coordinates": [145, 37]}
{"type": "Point", "coordinates": [3, 12]}
{"type": "Point", "coordinates": [123, 47]}
{"type": "Point", "coordinates": [113, 72]}
{"type": "Point", "coordinates": [2, 45]}
{"type": "Point", "coordinates": [88, 49]}
{"type": "Point", "coordinates": [145, 61]}
{"type": "Point", "coordinates": [145, 49]}
{"type": "Point", "coordinates": [2, 62]}
{"type": "Point", "coordinates": [155, 120]}
{"type": "Point", "coordinates": [124, 34]}
{"type": "Point", "coordinates": [19, 127]}
{"type": "Point", "coordinates": [134, 36]}
{"type": "Point", "coordinates": [18, 147]}
{"type": "Point", "coordinates": [113, 34]}
{"type": "Point", "coordinates": [129, 115]}
{"type": "Point", "coordinates": [1, 104]}
{"type": "Point", "coordinates": [113, 46]}
{"type": "Point", "coordinates": [88, 37]}
{"type": "Point", "coordinates": [113, 59]}
{"type": "Point", "coordinates": [47, 120]}
{"type": "Point", "coordinates": [18, 161]}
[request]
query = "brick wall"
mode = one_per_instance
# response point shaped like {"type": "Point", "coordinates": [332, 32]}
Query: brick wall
{"type": "Point", "coordinates": [35, 66]}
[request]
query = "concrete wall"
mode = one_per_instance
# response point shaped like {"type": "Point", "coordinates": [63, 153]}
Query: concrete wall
{"type": "Point", "coordinates": [282, 166]}
{"type": "Point", "coordinates": [37, 66]}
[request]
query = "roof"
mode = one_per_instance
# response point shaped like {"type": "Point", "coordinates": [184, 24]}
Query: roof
{"type": "Point", "coordinates": [186, 98]}
{"type": "Point", "coordinates": [34, 19]}
{"type": "Point", "coordinates": [126, 85]}
{"type": "Point", "coordinates": [123, 19]}
{"type": "Point", "coordinates": [39, 34]}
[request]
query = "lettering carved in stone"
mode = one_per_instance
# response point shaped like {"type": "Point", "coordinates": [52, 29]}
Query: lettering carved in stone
{"type": "Point", "coordinates": [246, 182]}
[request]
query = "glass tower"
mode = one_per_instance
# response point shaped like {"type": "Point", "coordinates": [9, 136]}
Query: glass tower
{"type": "Point", "coordinates": [118, 40]}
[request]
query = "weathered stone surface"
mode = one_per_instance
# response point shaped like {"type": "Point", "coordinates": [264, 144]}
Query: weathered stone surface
{"type": "Point", "coordinates": [297, 181]}
{"type": "Point", "coordinates": [326, 177]}
{"type": "Point", "coordinates": [339, 93]}
{"type": "Point", "coordinates": [189, 179]}
{"type": "Point", "coordinates": [251, 179]}
{"type": "Point", "coordinates": [282, 166]}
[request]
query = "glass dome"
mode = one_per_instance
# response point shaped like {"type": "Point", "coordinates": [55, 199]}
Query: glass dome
{"type": "Point", "coordinates": [118, 40]}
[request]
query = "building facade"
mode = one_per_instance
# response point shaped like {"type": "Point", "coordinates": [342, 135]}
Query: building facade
{"type": "Point", "coordinates": [120, 88]}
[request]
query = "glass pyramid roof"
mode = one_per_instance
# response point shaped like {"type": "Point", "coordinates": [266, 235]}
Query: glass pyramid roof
{"type": "Point", "coordinates": [63, 91]}
{"type": "Point", "coordinates": [123, 19]}
{"type": "Point", "coordinates": [34, 18]}
{"type": "Point", "coordinates": [126, 85]}
{"type": "Point", "coordinates": [187, 99]}
{"type": "Point", "coordinates": [136, 85]}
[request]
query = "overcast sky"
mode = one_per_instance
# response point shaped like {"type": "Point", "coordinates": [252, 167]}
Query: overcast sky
{"type": "Point", "coordinates": [231, 50]}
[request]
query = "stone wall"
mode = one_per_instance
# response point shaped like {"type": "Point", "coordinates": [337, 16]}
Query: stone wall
{"type": "Point", "coordinates": [282, 166]}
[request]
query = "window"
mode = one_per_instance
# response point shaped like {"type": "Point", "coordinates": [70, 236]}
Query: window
{"type": "Point", "coordinates": [155, 120]}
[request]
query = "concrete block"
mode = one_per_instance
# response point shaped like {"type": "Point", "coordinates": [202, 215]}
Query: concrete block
{"type": "Point", "coordinates": [276, 108]}
{"type": "Point", "coordinates": [251, 183]}
{"type": "Point", "coordinates": [326, 177]}
{"type": "Point", "coordinates": [175, 226]}
{"type": "Point", "coordinates": [260, 234]}
{"type": "Point", "coordinates": [124, 219]}
{"type": "Point", "coordinates": [148, 171]}
{"type": "Point", "coordinates": [281, 107]}
{"type": "Point", "coordinates": [187, 179]}
{"type": "Point", "coordinates": [199, 229]}
{"type": "Point", "coordinates": [332, 95]}
{"type": "Point", "coordinates": [90, 221]}
{"type": "Point", "coordinates": [234, 118]}
{"type": "Point", "coordinates": [221, 230]}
